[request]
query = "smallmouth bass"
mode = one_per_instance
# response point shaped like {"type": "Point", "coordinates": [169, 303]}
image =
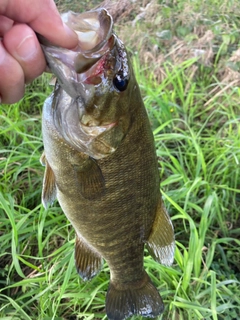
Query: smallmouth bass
{"type": "Point", "coordinates": [101, 165]}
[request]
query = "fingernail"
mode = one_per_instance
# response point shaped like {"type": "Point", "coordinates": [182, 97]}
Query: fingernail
{"type": "Point", "coordinates": [68, 30]}
{"type": "Point", "coordinates": [2, 53]}
{"type": "Point", "coordinates": [71, 33]}
{"type": "Point", "coordinates": [26, 48]}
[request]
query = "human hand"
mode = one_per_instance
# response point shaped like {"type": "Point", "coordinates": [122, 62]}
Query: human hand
{"type": "Point", "coordinates": [21, 56]}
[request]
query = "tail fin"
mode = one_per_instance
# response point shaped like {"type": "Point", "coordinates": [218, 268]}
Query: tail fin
{"type": "Point", "coordinates": [144, 301]}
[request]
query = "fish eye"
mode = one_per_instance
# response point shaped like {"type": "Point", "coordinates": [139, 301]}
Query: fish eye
{"type": "Point", "coordinates": [120, 83]}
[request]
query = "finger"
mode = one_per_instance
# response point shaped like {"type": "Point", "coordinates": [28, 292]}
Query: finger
{"type": "Point", "coordinates": [21, 42]}
{"type": "Point", "coordinates": [11, 79]}
{"type": "Point", "coordinates": [43, 17]}
{"type": "Point", "coordinates": [5, 25]}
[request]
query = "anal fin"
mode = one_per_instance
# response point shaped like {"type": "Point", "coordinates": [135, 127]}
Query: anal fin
{"type": "Point", "coordinates": [49, 190]}
{"type": "Point", "coordinates": [161, 243]}
{"type": "Point", "coordinates": [88, 262]}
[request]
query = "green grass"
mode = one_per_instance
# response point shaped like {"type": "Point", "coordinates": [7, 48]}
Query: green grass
{"type": "Point", "coordinates": [194, 112]}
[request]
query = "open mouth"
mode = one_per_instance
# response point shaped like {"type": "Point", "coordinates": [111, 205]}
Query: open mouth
{"type": "Point", "coordinates": [94, 30]}
{"type": "Point", "coordinates": [86, 62]}
{"type": "Point", "coordinates": [96, 68]}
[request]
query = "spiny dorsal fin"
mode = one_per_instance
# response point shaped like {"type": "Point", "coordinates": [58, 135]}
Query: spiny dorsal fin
{"type": "Point", "coordinates": [88, 262]}
{"type": "Point", "coordinates": [49, 191]}
{"type": "Point", "coordinates": [89, 179]}
{"type": "Point", "coordinates": [161, 243]}
{"type": "Point", "coordinates": [143, 301]}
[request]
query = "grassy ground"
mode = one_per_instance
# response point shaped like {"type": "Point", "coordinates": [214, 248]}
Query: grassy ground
{"type": "Point", "coordinates": [187, 64]}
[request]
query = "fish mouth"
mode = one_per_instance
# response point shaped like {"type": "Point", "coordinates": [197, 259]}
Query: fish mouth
{"type": "Point", "coordinates": [94, 28]}
{"type": "Point", "coordinates": [86, 61]}
{"type": "Point", "coordinates": [79, 73]}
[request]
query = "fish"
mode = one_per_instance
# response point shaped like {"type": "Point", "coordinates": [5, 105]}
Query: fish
{"type": "Point", "coordinates": [101, 165]}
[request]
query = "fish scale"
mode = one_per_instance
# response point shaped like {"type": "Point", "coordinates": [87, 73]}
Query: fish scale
{"type": "Point", "coordinates": [106, 177]}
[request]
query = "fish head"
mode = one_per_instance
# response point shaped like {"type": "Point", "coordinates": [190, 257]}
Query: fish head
{"type": "Point", "coordinates": [91, 108]}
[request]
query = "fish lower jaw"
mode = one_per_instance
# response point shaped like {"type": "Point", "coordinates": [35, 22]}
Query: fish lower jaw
{"type": "Point", "coordinates": [95, 129]}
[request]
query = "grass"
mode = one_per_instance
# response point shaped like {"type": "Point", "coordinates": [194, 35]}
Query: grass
{"type": "Point", "coordinates": [193, 105]}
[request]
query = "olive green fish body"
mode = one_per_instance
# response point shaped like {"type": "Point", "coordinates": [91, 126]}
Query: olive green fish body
{"type": "Point", "coordinates": [115, 223]}
{"type": "Point", "coordinates": [101, 165]}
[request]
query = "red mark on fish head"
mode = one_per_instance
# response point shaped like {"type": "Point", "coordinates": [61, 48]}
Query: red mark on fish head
{"type": "Point", "coordinates": [104, 65]}
{"type": "Point", "coordinates": [96, 71]}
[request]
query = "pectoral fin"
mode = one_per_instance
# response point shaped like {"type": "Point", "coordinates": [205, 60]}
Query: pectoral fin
{"type": "Point", "coordinates": [49, 190]}
{"type": "Point", "coordinates": [88, 262]}
{"type": "Point", "coordinates": [89, 179]}
{"type": "Point", "coordinates": [161, 240]}
{"type": "Point", "coordinates": [43, 159]}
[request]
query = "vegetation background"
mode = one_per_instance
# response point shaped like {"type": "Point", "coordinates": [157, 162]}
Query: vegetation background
{"type": "Point", "coordinates": [186, 57]}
